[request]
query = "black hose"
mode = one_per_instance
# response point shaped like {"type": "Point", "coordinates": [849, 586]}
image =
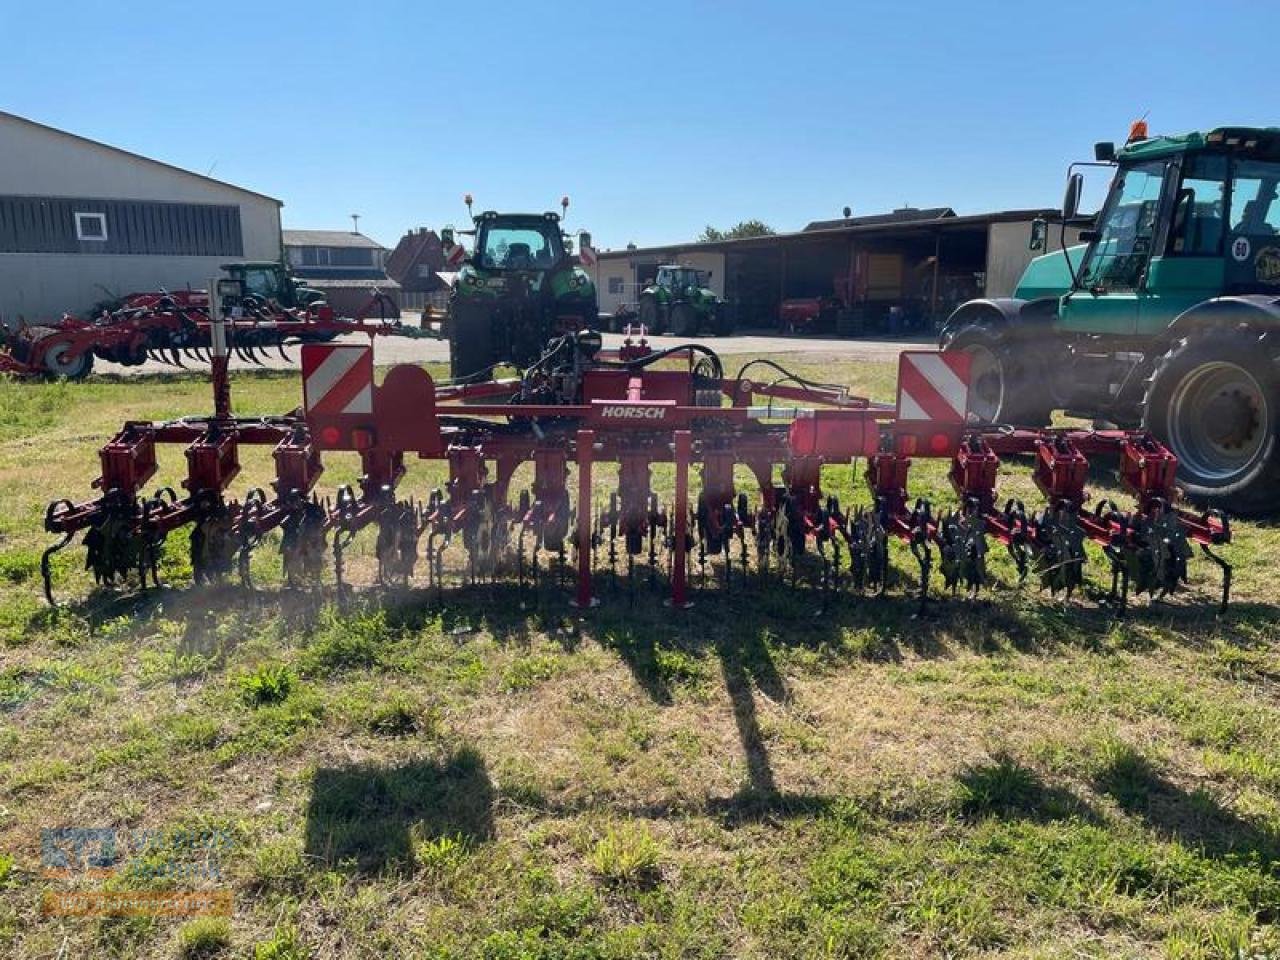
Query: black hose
{"type": "Point", "coordinates": [786, 375]}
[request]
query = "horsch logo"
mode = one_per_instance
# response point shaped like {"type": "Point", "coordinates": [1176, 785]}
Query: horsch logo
{"type": "Point", "coordinates": [626, 412]}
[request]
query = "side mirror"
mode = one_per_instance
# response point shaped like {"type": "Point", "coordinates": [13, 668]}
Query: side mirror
{"type": "Point", "coordinates": [1104, 152]}
{"type": "Point", "coordinates": [446, 237]}
{"type": "Point", "coordinates": [584, 239]}
{"type": "Point", "coordinates": [1039, 234]}
{"type": "Point", "coordinates": [1071, 200]}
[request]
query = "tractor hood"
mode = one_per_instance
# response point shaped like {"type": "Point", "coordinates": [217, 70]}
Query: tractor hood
{"type": "Point", "coordinates": [1049, 276]}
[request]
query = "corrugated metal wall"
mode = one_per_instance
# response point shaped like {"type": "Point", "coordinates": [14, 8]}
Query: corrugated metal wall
{"type": "Point", "coordinates": [48, 225]}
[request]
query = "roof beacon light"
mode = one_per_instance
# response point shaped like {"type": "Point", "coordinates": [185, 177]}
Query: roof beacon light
{"type": "Point", "coordinates": [564, 204]}
{"type": "Point", "coordinates": [466, 198]}
{"type": "Point", "coordinates": [1137, 131]}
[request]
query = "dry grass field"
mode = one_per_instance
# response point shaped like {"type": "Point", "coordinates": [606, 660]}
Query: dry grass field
{"type": "Point", "coordinates": [487, 773]}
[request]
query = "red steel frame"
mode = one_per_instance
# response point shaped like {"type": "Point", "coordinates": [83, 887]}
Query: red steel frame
{"type": "Point", "coordinates": [637, 417]}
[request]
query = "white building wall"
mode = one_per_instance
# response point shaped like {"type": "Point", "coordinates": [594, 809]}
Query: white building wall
{"type": "Point", "coordinates": [620, 265]}
{"type": "Point", "coordinates": [1008, 255]}
{"type": "Point", "coordinates": [616, 267]}
{"type": "Point", "coordinates": [38, 161]}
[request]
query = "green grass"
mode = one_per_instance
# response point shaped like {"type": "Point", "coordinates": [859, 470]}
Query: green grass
{"type": "Point", "coordinates": [496, 775]}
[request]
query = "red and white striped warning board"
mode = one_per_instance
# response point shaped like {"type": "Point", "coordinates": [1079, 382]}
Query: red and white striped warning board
{"type": "Point", "coordinates": [933, 386]}
{"type": "Point", "coordinates": [337, 380]}
{"type": "Point", "coordinates": [454, 256]}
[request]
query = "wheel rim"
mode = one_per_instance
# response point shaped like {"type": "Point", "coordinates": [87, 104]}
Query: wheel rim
{"type": "Point", "coordinates": [1219, 421]}
{"type": "Point", "coordinates": [986, 378]}
{"type": "Point", "coordinates": [53, 360]}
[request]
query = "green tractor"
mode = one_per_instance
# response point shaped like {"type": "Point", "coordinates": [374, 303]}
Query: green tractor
{"type": "Point", "coordinates": [269, 280]}
{"type": "Point", "coordinates": [1166, 315]}
{"type": "Point", "coordinates": [680, 302]}
{"type": "Point", "coordinates": [520, 286]}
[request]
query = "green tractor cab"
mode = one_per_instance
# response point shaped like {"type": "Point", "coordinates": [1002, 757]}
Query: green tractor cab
{"type": "Point", "coordinates": [680, 302]}
{"type": "Point", "coordinates": [1166, 314]}
{"type": "Point", "coordinates": [519, 286]}
{"type": "Point", "coordinates": [270, 280]}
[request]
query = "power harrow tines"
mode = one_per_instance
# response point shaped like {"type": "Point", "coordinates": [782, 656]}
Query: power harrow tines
{"type": "Point", "coordinates": [676, 428]}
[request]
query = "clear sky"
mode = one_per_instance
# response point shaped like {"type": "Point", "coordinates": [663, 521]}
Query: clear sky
{"type": "Point", "coordinates": [655, 118]}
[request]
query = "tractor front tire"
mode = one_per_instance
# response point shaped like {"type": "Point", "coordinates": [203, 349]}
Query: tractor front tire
{"type": "Point", "coordinates": [650, 314]}
{"type": "Point", "coordinates": [684, 320]}
{"type": "Point", "coordinates": [470, 344]}
{"type": "Point", "coordinates": [1007, 383]}
{"type": "Point", "coordinates": [1214, 400]}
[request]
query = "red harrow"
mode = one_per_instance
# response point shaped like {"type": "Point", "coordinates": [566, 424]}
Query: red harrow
{"type": "Point", "coordinates": [635, 408]}
{"type": "Point", "coordinates": [176, 327]}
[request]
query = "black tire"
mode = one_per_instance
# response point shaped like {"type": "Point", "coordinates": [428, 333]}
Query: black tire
{"type": "Point", "coordinates": [684, 320]}
{"type": "Point", "coordinates": [1214, 400]}
{"type": "Point", "coordinates": [1008, 382]}
{"type": "Point", "coordinates": [723, 320]}
{"type": "Point", "coordinates": [650, 315]}
{"type": "Point", "coordinates": [470, 343]}
{"type": "Point", "coordinates": [74, 368]}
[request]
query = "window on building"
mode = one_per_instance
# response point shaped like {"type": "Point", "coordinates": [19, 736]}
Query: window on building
{"type": "Point", "coordinates": [617, 286]}
{"type": "Point", "coordinates": [91, 226]}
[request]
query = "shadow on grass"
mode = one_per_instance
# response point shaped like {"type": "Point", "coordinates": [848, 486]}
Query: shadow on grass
{"type": "Point", "coordinates": [1006, 788]}
{"type": "Point", "coordinates": [365, 816]}
{"type": "Point", "coordinates": [1193, 818]}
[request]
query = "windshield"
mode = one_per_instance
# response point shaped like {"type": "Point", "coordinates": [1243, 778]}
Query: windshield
{"type": "Point", "coordinates": [260, 282]}
{"type": "Point", "coordinates": [526, 247]}
{"type": "Point", "coordinates": [683, 277]}
{"type": "Point", "coordinates": [1126, 228]}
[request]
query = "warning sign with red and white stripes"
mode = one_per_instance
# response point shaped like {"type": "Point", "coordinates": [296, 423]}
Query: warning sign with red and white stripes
{"type": "Point", "coordinates": [933, 386]}
{"type": "Point", "coordinates": [337, 380]}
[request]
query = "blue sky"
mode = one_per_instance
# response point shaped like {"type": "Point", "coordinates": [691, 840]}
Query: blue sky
{"type": "Point", "coordinates": [655, 118]}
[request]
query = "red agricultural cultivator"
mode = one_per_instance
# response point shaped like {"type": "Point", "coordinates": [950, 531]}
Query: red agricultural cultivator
{"type": "Point", "coordinates": [582, 409]}
{"type": "Point", "coordinates": [175, 327]}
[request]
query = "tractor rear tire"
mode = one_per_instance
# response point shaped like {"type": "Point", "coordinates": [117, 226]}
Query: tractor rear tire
{"type": "Point", "coordinates": [723, 321]}
{"type": "Point", "coordinates": [1214, 400]}
{"type": "Point", "coordinates": [684, 320]}
{"type": "Point", "coordinates": [1007, 380]}
{"type": "Point", "coordinates": [59, 365]}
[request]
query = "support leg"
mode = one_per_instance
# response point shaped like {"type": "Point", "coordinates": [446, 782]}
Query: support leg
{"type": "Point", "coordinates": [585, 442]}
{"type": "Point", "coordinates": [679, 566]}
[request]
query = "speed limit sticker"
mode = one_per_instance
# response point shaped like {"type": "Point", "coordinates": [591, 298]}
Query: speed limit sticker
{"type": "Point", "coordinates": [1240, 249]}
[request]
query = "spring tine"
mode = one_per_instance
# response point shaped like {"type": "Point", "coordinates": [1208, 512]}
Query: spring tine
{"type": "Point", "coordinates": [283, 355]}
{"type": "Point", "coordinates": [177, 359]}
{"type": "Point", "coordinates": [45, 572]}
